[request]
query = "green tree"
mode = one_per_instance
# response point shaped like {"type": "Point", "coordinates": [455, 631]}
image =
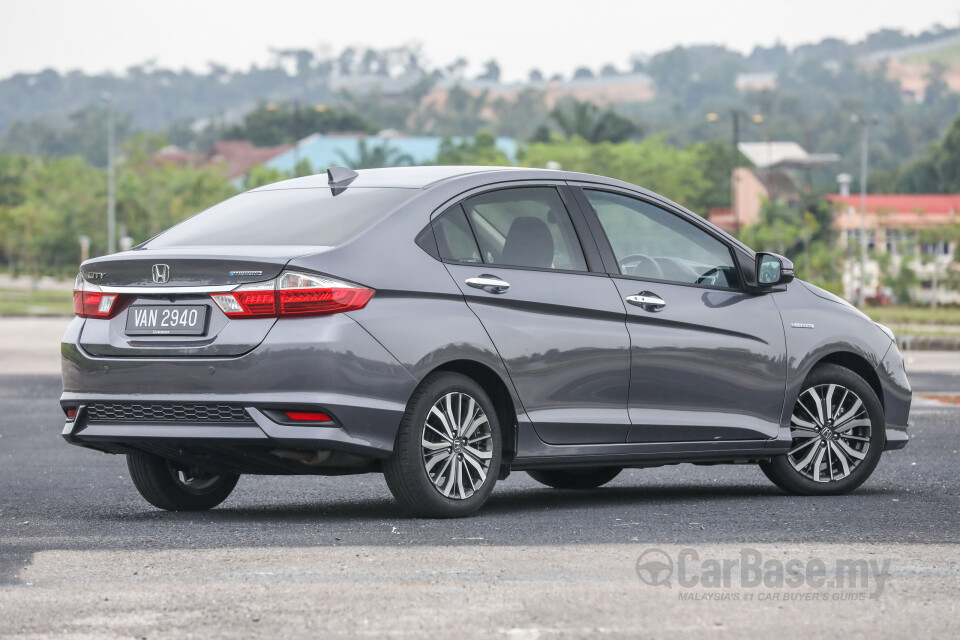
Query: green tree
{"type": "Point", "coordinates": [675, 173]}
{"type": "Point", "coordinates": [801, 232]}
{"type": "Point", "coordinates": [938, 171]}
{"type": "Point", "coordinates": [671, 70]}
{"type": "Point", "coordinates": [262, 175]}
{"type": "Point", "coordinates": [276, 124]}
{"type": "Point", "coordinates": [85, 135]}
{"type": "Point", "coordinates": [586, 120]}
{"type": "Point", "coordinates": [480, 150]}
{"type": "Point", "coordinates": [46, 205]}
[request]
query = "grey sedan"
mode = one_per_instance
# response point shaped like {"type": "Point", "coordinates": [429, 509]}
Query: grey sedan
{"type": "Point", "coordinates": [446, 326]}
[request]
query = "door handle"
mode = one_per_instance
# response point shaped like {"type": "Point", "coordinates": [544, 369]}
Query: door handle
{"type": "Point", "coordinates": [647, 301]}
{"type": "Point", "coordinates": [489, 283]}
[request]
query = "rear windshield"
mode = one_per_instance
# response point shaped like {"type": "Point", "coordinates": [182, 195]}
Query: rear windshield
{"type": "Point", "coordinates": [286, 217]}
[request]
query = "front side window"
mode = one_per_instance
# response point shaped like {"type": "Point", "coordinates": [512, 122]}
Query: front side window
{"type": "Point", "coordinates": [525, 227]}
{"type": "Point", "coordinates": [650, 242]}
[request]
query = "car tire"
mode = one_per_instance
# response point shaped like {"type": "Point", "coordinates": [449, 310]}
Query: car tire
{"type": "Point", "coordinates": [855, 450]}
{"type": "Point", "coordinates": [165, 486]}
{"type": "Point", "coordinates": [430, 450]}
{"type": "Point", "coordinates": [576, 478]}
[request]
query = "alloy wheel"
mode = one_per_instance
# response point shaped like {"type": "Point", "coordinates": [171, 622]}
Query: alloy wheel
{"type": "Point", "coordinates": [457, 445]}
{"type": "Point", "coordinates": [831, 432]}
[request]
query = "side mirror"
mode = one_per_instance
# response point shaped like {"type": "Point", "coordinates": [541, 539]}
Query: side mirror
{"type": "Point", "coordinates": [773, 269]}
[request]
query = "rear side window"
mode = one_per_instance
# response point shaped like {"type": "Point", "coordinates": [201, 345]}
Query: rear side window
{"type": "Point", "coordinates": [286, 217]}
{"type": "Point", "coordinates": [454, 237]}
{"type": "Point", "coordinates": [525, 227]}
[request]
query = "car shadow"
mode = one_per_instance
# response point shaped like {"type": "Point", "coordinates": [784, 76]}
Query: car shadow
{"type": "Point", "coordinates": [532, 503]}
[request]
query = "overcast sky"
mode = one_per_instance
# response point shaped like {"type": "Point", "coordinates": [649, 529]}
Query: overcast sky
{"type": "Point", "coordinates": [553, 35]}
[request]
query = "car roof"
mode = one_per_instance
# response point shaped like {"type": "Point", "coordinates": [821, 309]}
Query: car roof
{"type": "Point", "coordinates": [396, 177]}
{"type": "Point", "coordinates": [432, 176]}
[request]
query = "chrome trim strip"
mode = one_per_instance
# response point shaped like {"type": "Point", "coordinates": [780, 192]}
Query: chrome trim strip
{"type": "Point", "coordinates": [165, 291]}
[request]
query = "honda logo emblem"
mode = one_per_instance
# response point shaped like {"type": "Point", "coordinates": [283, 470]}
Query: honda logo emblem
{"type": "Point", "coordinates": [161, 273]}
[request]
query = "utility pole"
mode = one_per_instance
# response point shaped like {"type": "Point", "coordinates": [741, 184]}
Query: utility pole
{"type": "Point", "coordinates": [733, 172]}
{"type": "Point", "coordinates": [865, 123]}
{"type": "Point", "coordinates": [111, 178]}
{"type": "Point", "coordinates": [296, 137]}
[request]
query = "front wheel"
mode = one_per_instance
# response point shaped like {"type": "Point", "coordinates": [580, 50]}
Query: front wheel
{"type": "Point", "coordinates": [576, 478]}
{"type": "Point", "coordinates": [447, 453]}
{"type": "Point", "coordinates": [173, 487]}
{"type": "Point", "coordinates": [838, 435]}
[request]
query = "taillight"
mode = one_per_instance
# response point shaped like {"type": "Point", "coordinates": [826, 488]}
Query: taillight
{"type": "Point", "coordinates": [293, 294]}
{"type": "Point", "coordinates": [255, 300]}
{"type": "Point", "coordinates": [90, 302]}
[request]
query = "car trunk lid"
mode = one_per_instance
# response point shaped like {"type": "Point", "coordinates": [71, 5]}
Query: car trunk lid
{"type": "Point", "coordinates": [168, 283]}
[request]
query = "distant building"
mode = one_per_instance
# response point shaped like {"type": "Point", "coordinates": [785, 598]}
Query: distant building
{"type": "Point", "coordinates": [773, 177]}
{"type": "Point", "coordinates": [239, 156]}
{"type": "Point", "coordinates": [234, 157]}
{"type": "Point", "coordinates": [892, 223]}
{"type": "Point", "coordinates": [601, 90]}
{"type": "Point", "coordinates": [756, 81]}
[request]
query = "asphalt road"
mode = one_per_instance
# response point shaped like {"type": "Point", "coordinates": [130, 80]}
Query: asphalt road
{"type": "Point", "coordinates": [82, 555]}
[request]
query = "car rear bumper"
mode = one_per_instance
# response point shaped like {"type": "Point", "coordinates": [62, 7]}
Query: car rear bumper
{"type": "Point", "coordinates": [260, 431]}
{"type": "Point", "coordinates": [329, 363]}
{"type": "Point", "coordinates": [897, 438]}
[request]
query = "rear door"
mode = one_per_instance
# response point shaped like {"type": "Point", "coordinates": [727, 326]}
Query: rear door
{"type": "Point", "coordinates": [708, 359]}
{"type": "Point", "coordinates": [517, 257]}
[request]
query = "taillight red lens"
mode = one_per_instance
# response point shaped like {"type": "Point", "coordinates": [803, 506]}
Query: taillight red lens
{"type": "Point", "coordinates": [293, 294]}
{"type": "Point", "coordinates": [94, 304]}
{"type": "Point", "coordinates": [258, 303]}
{"type": "Point", "coordinates": [319, 301]}
{"type": "Point", "coordinates": [308, 416]}
{"type": "Point", "coordinates": [256, 300]}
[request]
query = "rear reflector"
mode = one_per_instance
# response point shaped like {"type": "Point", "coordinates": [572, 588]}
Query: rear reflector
{"type": "Point", "coordinates": [71, 413]}
{"type": "Point", "coordinates": [293, 294]}
{"type": "Point", "coordinates": [308, 416]}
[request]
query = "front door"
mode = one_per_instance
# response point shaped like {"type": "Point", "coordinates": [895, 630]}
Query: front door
{"type": "Point", "coordinates": [708, 359]}
{"type": "Point", "coordinates": [560, 329]}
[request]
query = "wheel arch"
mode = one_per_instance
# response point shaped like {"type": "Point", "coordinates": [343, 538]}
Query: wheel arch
{"type": "Point", "coordinates": [499, 394]}
{"type": "Point", "coordinates": [858, 365]}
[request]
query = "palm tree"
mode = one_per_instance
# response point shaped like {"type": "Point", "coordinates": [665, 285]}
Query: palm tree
{"type": "Point", "coordinates": [584, 119]}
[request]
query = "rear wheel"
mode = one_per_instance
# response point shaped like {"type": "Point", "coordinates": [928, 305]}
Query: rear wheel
{"type": "Point", "coordinates": [838, 435]}
{"type": "Point", "coordinates": [576, 478]}
{"type": "Point", "coordinates": [173, 487]}
{"type": "Point", "coordinates": [447, 454]}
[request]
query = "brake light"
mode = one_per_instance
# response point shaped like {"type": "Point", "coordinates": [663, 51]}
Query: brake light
{"type": "Point", "coordinates": [89, 301]}
{"type": "Point", "coordinates": [293, 294]}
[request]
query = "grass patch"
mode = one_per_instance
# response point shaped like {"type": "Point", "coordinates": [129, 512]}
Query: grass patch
{"type": "Point", "coordinates": [895, 315]}
{"type": "Point", "coordinates": [25, 302]}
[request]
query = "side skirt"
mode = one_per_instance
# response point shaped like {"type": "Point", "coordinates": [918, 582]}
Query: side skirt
{"type": "Point", "coordinates": [533, 453]}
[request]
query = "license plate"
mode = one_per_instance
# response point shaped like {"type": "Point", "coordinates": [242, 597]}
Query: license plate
{"type": "Point", "coordinates": [166, 320]}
